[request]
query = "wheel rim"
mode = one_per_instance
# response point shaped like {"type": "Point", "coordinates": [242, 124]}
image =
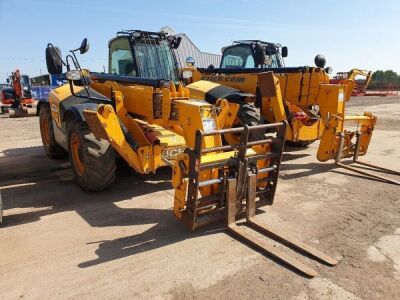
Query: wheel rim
{"type": "Point", "coordinates": [45, 131]}
{"type": "Point", "coordinates": [76, 154]}
{"type": "Point", "coordinates": [233, 138]}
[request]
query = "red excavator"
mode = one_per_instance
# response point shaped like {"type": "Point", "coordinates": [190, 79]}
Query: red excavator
{"type": "Point", "coordinates": [360, 86]}
{"type": "Point", "coordinates": [18, 98]}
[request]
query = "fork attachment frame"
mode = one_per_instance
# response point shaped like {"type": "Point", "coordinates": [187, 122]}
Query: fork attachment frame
{"type": "Point", "coordinates": [210, 168]}
{"type": "Point", "coordinates": [356, 154]}
{"type": "Point", "coordinates": [270, 241]}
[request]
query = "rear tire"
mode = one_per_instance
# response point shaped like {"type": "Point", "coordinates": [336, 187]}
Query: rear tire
{"type": "Point", "coordinates": [52, 149]}
{"type": "Point", "coordinates": [1, 210]}
{"type": "Point", "coordinates": [93, 160]}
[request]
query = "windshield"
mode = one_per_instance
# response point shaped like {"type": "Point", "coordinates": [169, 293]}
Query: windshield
{"type": "Point", "coordinates": [121, 60]}
{"type": "Point", "coordinates": [155, 60]}
{"type": "Point", "coordinates": [241, 57]}
{"type": "Point", "coordinates": [25, 82]}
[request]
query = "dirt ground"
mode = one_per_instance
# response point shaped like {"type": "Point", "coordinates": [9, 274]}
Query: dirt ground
{"type": "Point", "coordinates": [59, 242]}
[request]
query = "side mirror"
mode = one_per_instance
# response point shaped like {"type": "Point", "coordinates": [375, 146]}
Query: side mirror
{"type": "Point", "coordinates": [53, 60]}
{"type": "Point", "coordinates": [285, 51]}
{"type": "Point", "coordinates": [190, 62]}
{"type": "Point", "coordinates": [174, 41]}
{"type": "Point", "coordinates": [259, 54]}
{"type": "Point", "coordinates": [320, 61]}
{"type": "Point", "coordinates": [178, 42]}
{"type": "Point", "coordinates": [84, 46]}
{"type": "Point", "coordinates": [8, 80]}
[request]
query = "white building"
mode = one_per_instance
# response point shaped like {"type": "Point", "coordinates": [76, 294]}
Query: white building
{"type": "Point", "coordinates": [188, 48]}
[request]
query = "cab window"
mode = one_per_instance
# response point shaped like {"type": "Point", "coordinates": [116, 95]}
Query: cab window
{"type": "Point", "coordinates": [238, 57]}
{"type": "Point", "coordinates": [121, 59]}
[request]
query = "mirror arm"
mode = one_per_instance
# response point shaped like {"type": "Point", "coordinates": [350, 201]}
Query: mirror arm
{"type": "Point", "coordinates": [69, 57]}
{"type": "Point", "coordinates": [85, 84]}
{"type": "Point", "coordinates": [71, 87]}
{"type": "Point", "coordinates": [78, 67]}
{"type": "Point", "coordinates": [75, 60]}
{"type": "Point", "coordinates": [50, 45]}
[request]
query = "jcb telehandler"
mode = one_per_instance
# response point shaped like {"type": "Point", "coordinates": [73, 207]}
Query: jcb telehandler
{"type": "Point", "coordinates": [312, 106]}
{"type": "Point", "coordinates": [141, 111]}
{"type": "Point", "coordinates": [240, 64]}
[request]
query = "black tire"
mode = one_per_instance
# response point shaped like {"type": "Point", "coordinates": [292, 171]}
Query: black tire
{"type": "Point", "coordinates": [249, 115]}
{"type": "Point", "coordinates": [1, 210]}
{"type": "Point", "coordinates": [299, 144]}
{"type": "Point", "coordinates": [52, 149]}
{"type": "Point", "coordinates": [4, 109]}
{"type": "Point", "coordinates": [97, 157]}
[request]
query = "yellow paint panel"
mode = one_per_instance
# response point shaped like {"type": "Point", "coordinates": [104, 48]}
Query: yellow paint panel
{"type": "Point", "coordinates": [215, 157]}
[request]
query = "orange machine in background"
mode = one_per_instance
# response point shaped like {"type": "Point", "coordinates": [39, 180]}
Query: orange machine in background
{"type": "Point", "coordinates": [17, 99]}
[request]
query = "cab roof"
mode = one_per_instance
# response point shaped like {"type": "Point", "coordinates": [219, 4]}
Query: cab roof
{"type": "Point", "coordinates": [253, 42]}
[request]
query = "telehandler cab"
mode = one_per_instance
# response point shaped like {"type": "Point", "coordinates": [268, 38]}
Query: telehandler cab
{"type": "Point", "coordinates": [142, 112]}
{"type": "Point", "coordinates": [312, 106]}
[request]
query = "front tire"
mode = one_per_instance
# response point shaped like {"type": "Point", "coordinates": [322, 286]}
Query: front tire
{"type": "Point", "coordinates": [249, 115]}
{"type": "Point", "coordinates": [52, 149]}
{"type": "Point", "coordinates": [92, 160]}
{"type": "Point", "coordinates": [1, 210]}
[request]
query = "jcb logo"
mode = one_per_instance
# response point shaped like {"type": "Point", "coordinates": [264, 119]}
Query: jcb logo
{"type": "Point", "coordinates": [53, 108]}
{"type": "Point", "coordinates": [215, 78]}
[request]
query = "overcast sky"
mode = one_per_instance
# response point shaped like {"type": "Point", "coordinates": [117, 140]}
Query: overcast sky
{"type": "Point", "coordinates": [351, 34]}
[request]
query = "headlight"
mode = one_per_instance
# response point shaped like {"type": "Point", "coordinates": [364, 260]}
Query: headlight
{"type": "Point", "coordinates": [73, 75]}
{"type": "Point", "coordinates": [187, 74]}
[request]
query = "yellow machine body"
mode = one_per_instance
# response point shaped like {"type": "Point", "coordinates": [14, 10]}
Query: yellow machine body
{"type": "Point", "coordinates": [300, 91]}
{"type": "Point", "coordinates": [162, 141]}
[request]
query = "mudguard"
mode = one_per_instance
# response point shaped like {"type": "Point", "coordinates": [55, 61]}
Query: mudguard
{"type": "Point", "coordinates": [76, 105]}
{"type": "Point", "coordinates": [211, 92]}
{"type": "Point", "coordinates": [77, 110]}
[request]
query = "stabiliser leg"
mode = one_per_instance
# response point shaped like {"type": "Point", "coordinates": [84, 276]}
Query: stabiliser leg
{"type": "Point", "coordinates": [268, 246]}
{"type": "Point", "coordinates": [371, 166]}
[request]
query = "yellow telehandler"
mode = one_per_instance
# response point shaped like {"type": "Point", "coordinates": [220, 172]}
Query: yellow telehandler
{"type": "Point", "coordinates": [141, 112]}
{"type": "Point", "coordinates": [313, 107]}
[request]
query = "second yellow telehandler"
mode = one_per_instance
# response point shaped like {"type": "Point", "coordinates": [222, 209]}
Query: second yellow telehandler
{"type": "Point", "coordinates": [313, 107]}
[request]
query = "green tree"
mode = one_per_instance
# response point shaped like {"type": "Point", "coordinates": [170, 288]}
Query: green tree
{"type": "Point", "coordinates": [384, 79]}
